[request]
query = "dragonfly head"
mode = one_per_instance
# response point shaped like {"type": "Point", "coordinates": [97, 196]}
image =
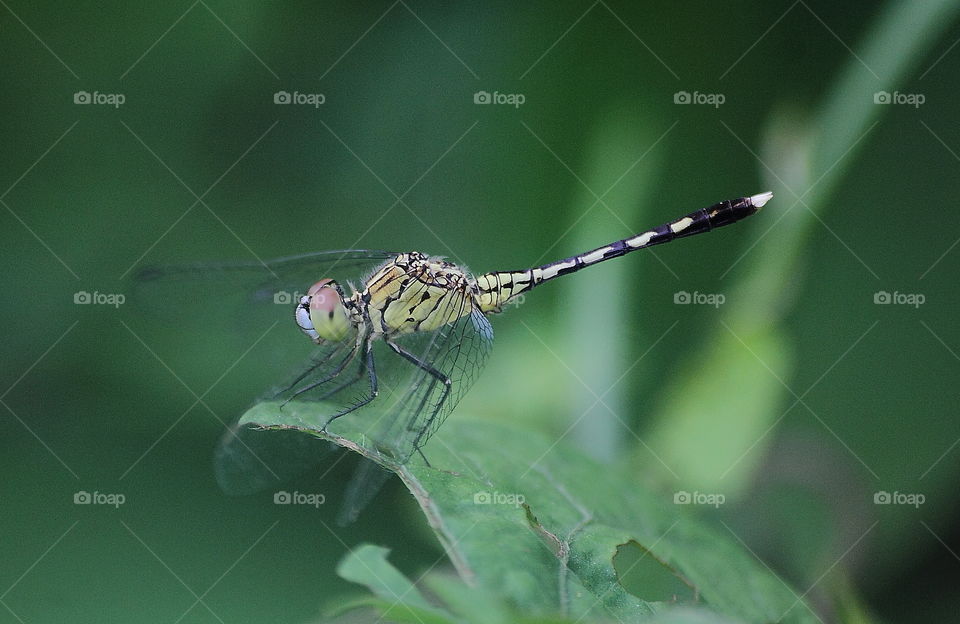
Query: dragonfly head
{"type": "Point", "coordinates": [321, 313]}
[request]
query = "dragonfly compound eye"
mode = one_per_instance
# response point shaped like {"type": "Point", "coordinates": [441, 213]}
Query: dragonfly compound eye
{"type": "Point", "coordinates": [327, 312]}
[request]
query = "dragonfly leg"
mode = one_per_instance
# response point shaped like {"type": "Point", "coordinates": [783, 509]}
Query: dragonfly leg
{"type": "Point", "coordinates": [438, 377]}
{"type": "Point", "coordinates": [374, 391]}
{"type": "Point", "coordinates": [339, 369]}
{"type": "Point", "coordinates": [424, 457]}
{"type": "Point", "coordinates": [357, 377]}
{"type": "Point", "coordinates": [420, 363]}
{"type": "Point", "coordinates": [314, 366]}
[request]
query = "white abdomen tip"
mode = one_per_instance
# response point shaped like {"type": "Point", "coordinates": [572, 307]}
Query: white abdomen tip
{"type": "Point", "coordinates": [759, 200]}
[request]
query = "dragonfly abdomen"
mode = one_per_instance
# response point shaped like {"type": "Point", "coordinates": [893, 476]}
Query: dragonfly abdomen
{"type": "Point", "coordinates": [498, 288]}
{"type": "Point", "coordinates": [494, 290]}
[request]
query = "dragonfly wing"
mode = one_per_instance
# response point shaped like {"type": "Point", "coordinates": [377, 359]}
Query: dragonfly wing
{"type": "Point", "coordinates": [457, 352]}
{"type": "Point", "coordinates": [247, 294]}
{"type": "Point", "coordinates": [422, 401]}
{"type": "Point", "coordinates": [367, 481]}
{"type": "Point", "coordinates": [248, 461]}
{"type": "Point", "coordinates": [278, 268]}
{"type": "Point", "coordinates": [239, 301]}
{"type": "Point", "coordinates": [414, 400]}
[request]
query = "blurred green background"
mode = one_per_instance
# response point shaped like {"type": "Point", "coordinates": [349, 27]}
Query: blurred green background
{"type": "Point", "coordinates": [799, 398]}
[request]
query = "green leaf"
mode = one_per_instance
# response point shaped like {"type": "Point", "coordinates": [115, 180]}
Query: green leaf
{"type": "Point", "coordinates": [368, 565]}
{"type": "Point", "coordinates": [392, 611]}
{"type": "Point", "coordinates": [474, 604]}
{"type": "Point", "coordinates": [477, 606]}
{"type": "Point", "coordinates": [687, 615]}
{"type": "Point", "coordinates": [538, 524]}
{"type": "Point", "coordinates": [396, 596]}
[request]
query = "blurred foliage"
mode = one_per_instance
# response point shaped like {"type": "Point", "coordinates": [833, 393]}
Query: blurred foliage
{"type": "Point", "coordinates": [112, 400]}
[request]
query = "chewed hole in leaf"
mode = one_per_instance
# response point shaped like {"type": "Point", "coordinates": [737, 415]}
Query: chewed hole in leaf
{"type": "Point", "coordinates": [645, 576]}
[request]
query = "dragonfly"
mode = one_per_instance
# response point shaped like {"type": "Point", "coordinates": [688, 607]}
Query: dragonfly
{"type": "Point", "coordinates": [401, 337]}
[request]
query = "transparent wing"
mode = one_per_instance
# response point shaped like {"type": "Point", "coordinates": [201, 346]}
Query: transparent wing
{"type": "Point", "coordinates": [416, 406]}
{"type": "Point", "coordinates": [415, 396]}
{"type": "Point", "coordinates": [413, 402]}
{"type": "Point", "coordinates": [248, 293]}
{"type": "Point", "coordinates": [455, 352]}
{"type": "Point", "coordinates": [416, 390]}
{"type": "Point", "coordinates": [247, 461]}
{"type": "Point", "coordinates": [239, 301]}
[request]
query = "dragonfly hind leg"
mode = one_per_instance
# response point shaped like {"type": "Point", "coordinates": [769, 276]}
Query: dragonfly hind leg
{"type": "Point", "coordinates": [446, 381]}
{"type": "Point", "coordinates": [438, 376]}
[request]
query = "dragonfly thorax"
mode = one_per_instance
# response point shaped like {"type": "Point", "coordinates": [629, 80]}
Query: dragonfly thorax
{"type": "Point", "coordinates": [415, 292]}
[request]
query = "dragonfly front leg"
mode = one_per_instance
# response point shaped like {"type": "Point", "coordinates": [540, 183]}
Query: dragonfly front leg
{"type": "Point", "coordinates": [317, 364]}
{"type": "Point", "coordinates": [327, 378]}
{"type": "Point", "coordinates": [356, 377]}
{"type": "Point", "coordinates": [374, 390]}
